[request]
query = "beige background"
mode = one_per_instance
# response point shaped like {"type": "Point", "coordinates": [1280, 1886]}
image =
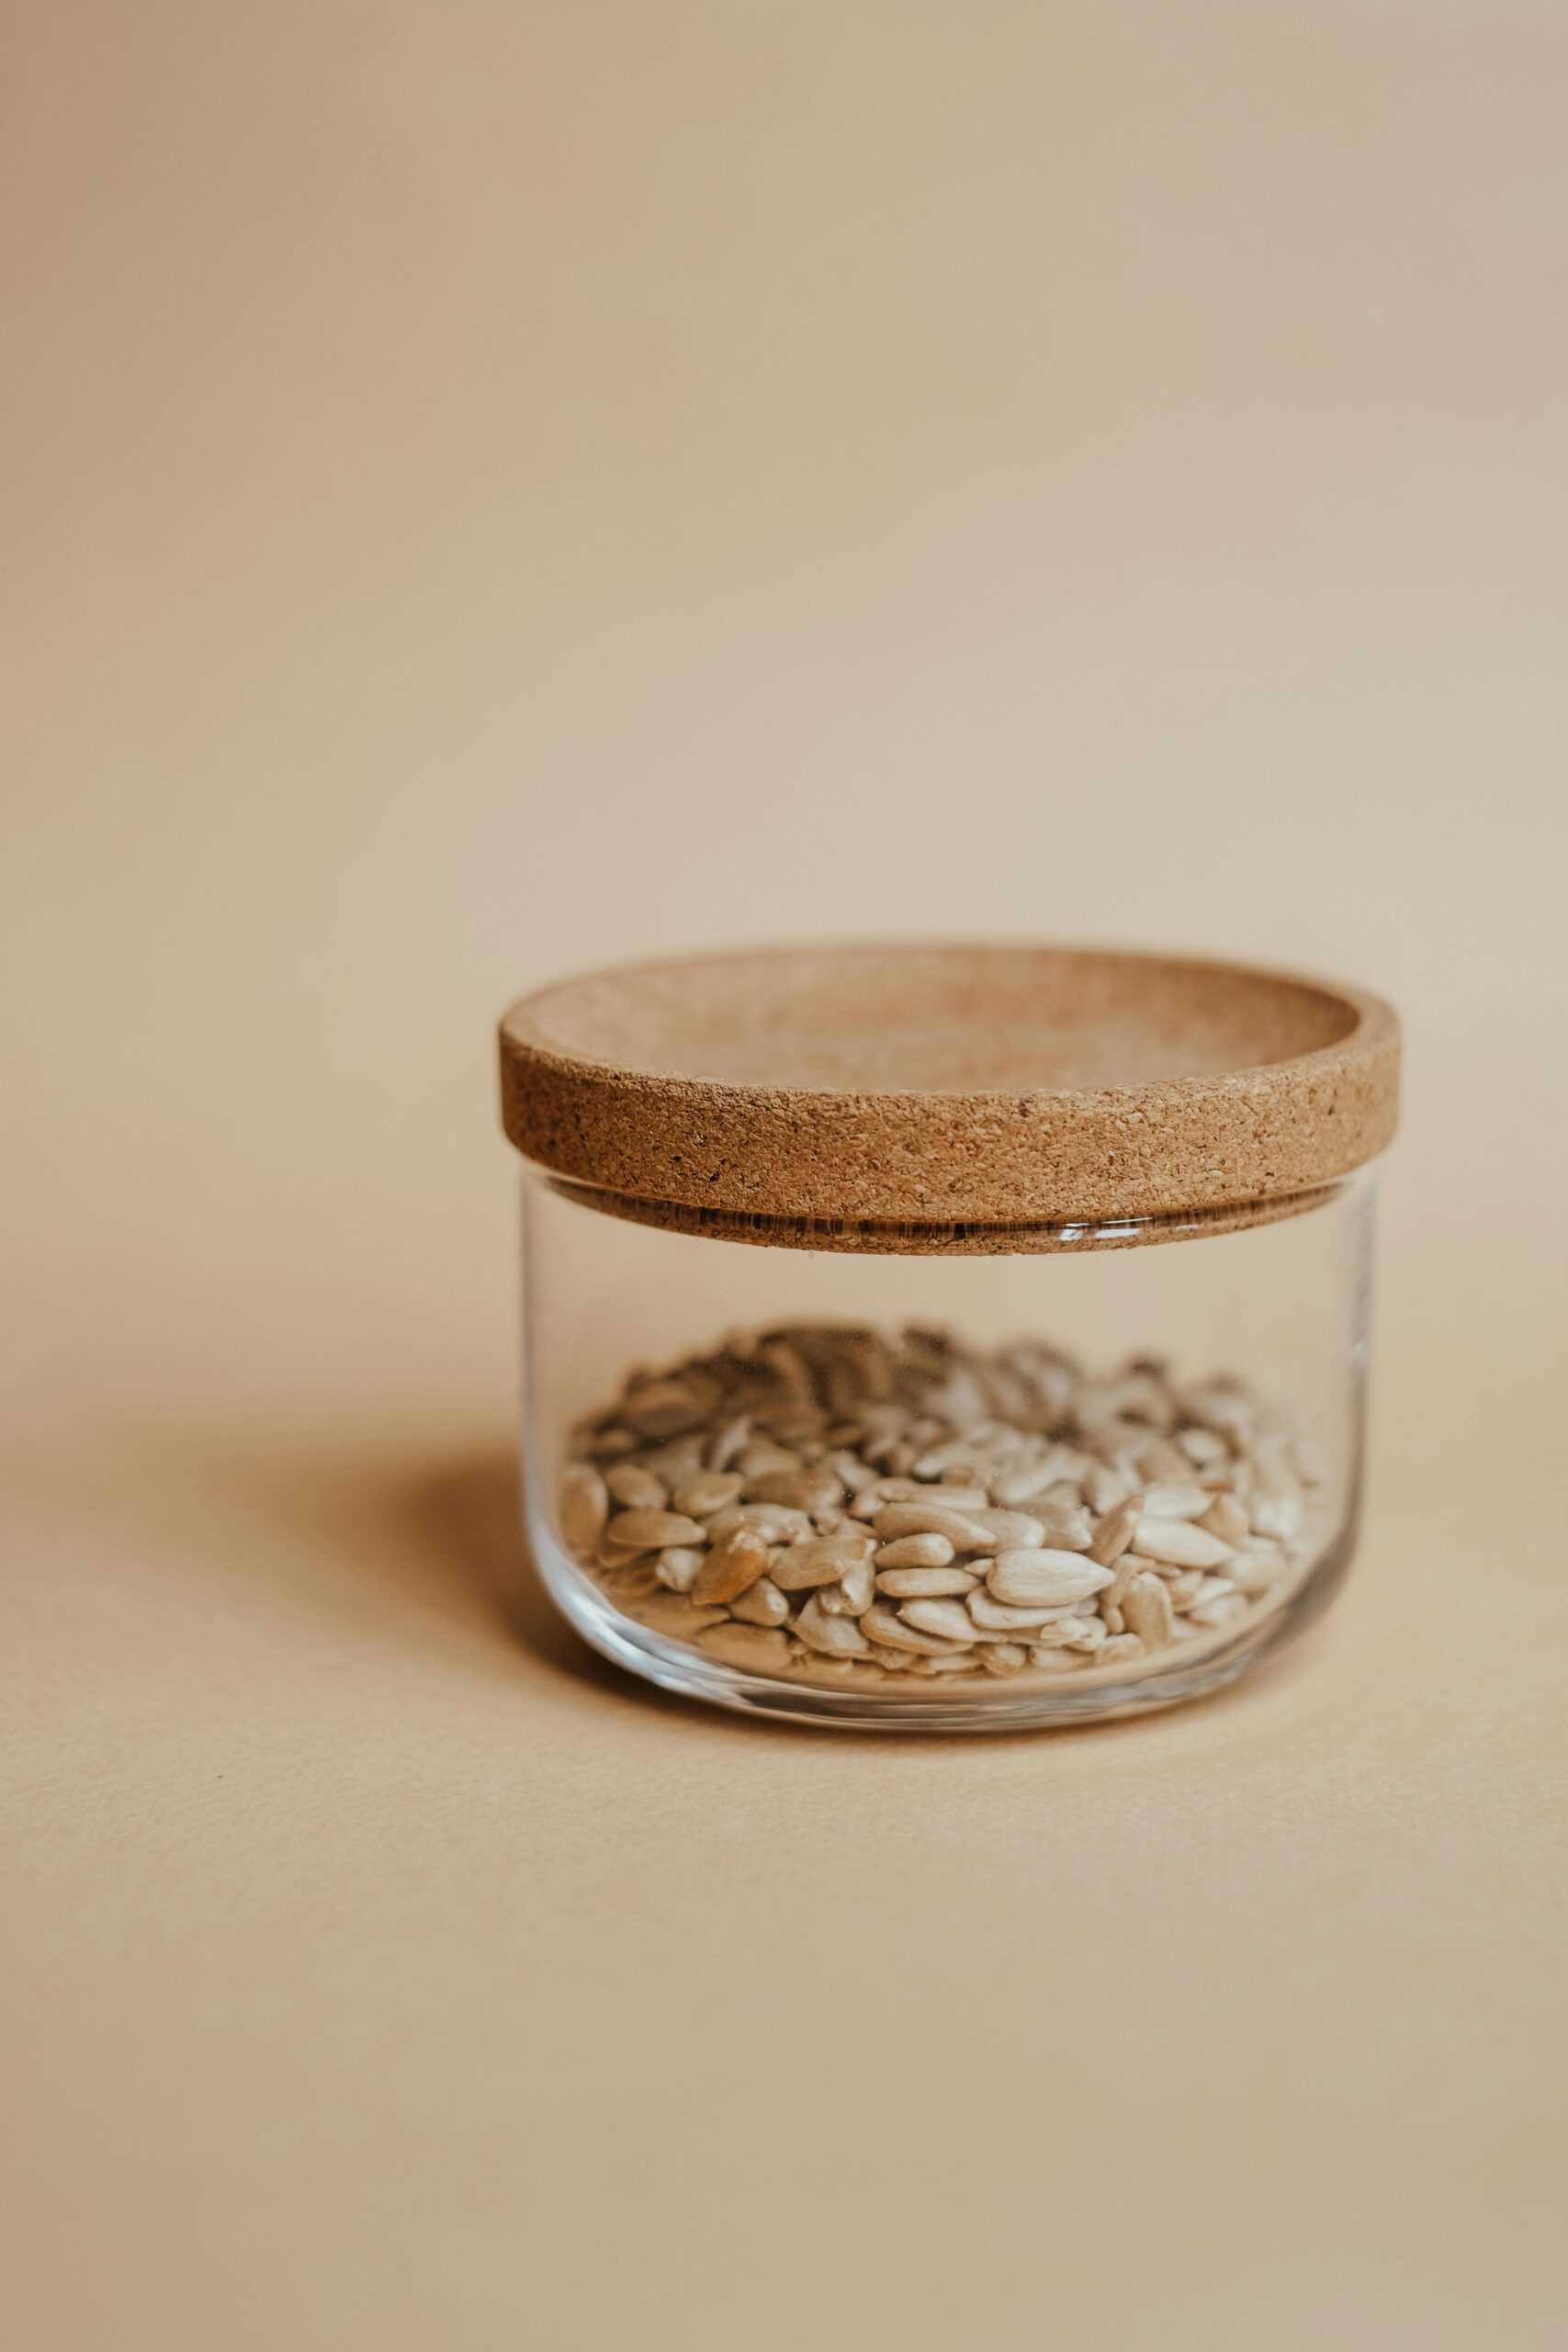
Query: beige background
{"type": "Point", "coordinates": [490, 487]}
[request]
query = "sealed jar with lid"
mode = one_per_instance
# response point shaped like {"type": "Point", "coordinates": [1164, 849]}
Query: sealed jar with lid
{"type": "Point", "coordinates": [961, 1337]}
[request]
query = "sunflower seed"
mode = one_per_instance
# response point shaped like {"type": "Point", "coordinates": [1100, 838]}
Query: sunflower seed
{"type": "Point", "coordinates": [835, 1636]}
{"type": "Point", "coordinates": [1021, 1579]}
{"type": "Point", "coordinates": [1068, 1633]}
{"type": "Point", "coordinates": [924, 1584]}
{"type": "Point", "coordinates": [947, 1619]}
{"type": "Point", "coordinates": [728, 1441]}
{"type": "Point", "coordinates": [1220, 1611]}
{"type": "Point", "coordinates": [854, 1593]}
{"type": "Point", "coordinates": [802, 1489]}
{"type": "Point", "coordinates": [827, 1559]}
{"type": "Point", "coordinates": [993, 1617]}
{"type": "Point", "coordinates": [760, 1604]}
{"type": "Point", "coordinates": [1179, 1542]}
{"type": "Point", "coordinates": [1146, 1605]}
{"type": "Point", "coordinates": [1105, 1489]}
{"type": "Point", "coordinates": [677, 1570]}
{"type": "Point", "coordinates": [711, 1490]}
{"type": "Point", "coordinates": [651, 1531]}
{"type": "Point", "coordinates": [931, 1519]}
{"type": "Point", "coordinates": [773, 1522]}
{"type": "Point", "coordinates": [665, 1408]}
{"type": "Point", "coordinates": [667, 1612]}
{"type": "Point", "coordinates": [733, 1565]}
{"type": "Point", "coordinates": [1015, 1530]}
{"type": "Point", "coordinates": [636, 1488]}
{"type": "Point", "coordinates": [917, 1551]}
{"type": "Point", "coordinates": [1176, 1498]}
{"type": "Point", "coordinates": [751, 1647]}
{"type": "Point", "coordinates": [1115, 1533]}
{"type": "Point", "coordinates": [884, 1626]}
{"type": "Point", "coordinates": [1225, 1519]}
{"type": "Point", "coordinates": [584, 1507]}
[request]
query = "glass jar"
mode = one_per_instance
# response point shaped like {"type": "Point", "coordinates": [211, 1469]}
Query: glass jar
{"type": "Point", "coordinates": [953, 1337]}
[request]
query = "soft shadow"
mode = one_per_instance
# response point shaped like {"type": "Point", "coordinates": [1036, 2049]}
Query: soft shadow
{"type": "Point", "coordinates": [466, 1518]}
{"type": "Point", "coordinates": [428, 1554]}
{"type": "Point", "coordinates": [435, 1553]}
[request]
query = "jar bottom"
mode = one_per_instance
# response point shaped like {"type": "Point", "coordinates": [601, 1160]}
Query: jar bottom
{"type": "Point", "coordinates": [1036, 1704]}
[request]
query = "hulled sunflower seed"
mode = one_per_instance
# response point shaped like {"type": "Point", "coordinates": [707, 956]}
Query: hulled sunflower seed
{"type": "Point", "coordinates": [1219, 1612]}
{"type": "Point", "coordinates": [679, 1569]}
{"type": "Point", "coordinates": [636, 1488]}
{"type": "Point", "coordinates": [760, 1458]}
{"type": "Point", "coordinates": [1225, 1519]}
{"type": "Point", "coordinates": [826, 1559]}
{"type": "Point", "coordinates": [773, 1522]}
{"type": "Point", "coordinates": [584, 1507]}
{"type": "Point", "coordinates": [1146, 1605]}
{"type": "Point", "coordinates": [667, 1612]}
{"type": "Point", "coordinates": [1176, 1499]}
{"type": "Point", "coordinates": [728, 1441]}
{"type": "Point", "coordinates": [1162, 1460]}
{"type": "Point", "coordinates": [994, 1617]}
{"type": "Point", "coordinates": [886, 1627]}
{"type": "Point", "coordinates": [1015, 1530]}
{"type": "Point", "coordinates": [1115, 1533]}
{"type": "Point", "coordinates": [924, 1584]}
{"type": "Point", "coordinates": [651, 1531]}
{"type": "Point", "coordinates": [1022, 1579]}
{"type": "Point", "coordinates": [1105, 1489]}
{"type": "Point", "coordinates": [732, 1565]}
{"type": "Point", "coordinates": [948, 1620]}
{"type": "Point", "coordinates": [665, 1408]}
{"type": "Point", "coordinates": [711, 1490]}
{"type": "Point", "coordinates": [915, 1551]}
{"type": "Point", "coordinates": [834, 1636]}
{"type": "Point", "coordinates": [760, 1604]}
{"type": "Point", "coordinates": [806, 1489]}
{"type": "Point", "coordinates": [753, 1647]}
{"type": "Point", "coordinates": [854, 1593]}
{"type": "Point", "coordinates": [1177, 1541]}
{"type": "Point", "coordinates": [933, 1519]}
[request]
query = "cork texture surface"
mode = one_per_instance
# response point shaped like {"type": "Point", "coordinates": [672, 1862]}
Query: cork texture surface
{"type": "Point", "coordinates": [984, 1084]}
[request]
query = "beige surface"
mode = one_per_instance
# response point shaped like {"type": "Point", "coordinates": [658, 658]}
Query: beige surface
{"type": "Point", "coordinates": [492, 489]}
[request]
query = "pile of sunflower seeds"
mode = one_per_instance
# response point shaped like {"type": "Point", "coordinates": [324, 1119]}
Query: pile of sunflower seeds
{"type": "Point", "coordinates": [841, 1505]}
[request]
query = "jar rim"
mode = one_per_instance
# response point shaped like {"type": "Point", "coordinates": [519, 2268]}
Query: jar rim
{"type": "Point", "coordinates": [935, 1084]}
{"type": "Point", "coordinates": [877, 1238]}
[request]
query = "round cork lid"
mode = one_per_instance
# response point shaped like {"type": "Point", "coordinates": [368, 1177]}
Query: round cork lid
{"type": "Point", "coordinates": [927, 1085]}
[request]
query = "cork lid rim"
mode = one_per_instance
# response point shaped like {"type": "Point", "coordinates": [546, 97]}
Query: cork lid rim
{"type": "Point", "coordinates": [977, 1080]}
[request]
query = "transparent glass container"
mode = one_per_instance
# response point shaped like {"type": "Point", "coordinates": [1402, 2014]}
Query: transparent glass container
{"type": "Point", "coordinates": [1215, 1363]}
{"type": "Point", "coordinates": [947, 1473]}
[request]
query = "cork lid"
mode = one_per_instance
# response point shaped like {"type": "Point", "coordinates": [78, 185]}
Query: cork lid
{"type": "Point", "coordinates": [927, 1086]}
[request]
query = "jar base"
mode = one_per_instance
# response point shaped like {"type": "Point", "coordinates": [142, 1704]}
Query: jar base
{"type": "Point", "coordinates": [994, 1705]}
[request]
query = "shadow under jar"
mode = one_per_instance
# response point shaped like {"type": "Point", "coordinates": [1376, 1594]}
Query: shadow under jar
{"type": "Point", "coordinates": [950, 1337]}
